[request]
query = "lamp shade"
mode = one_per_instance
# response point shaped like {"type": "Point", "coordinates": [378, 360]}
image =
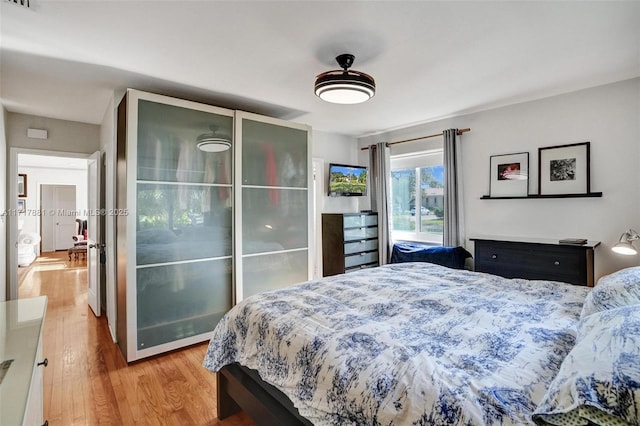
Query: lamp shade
{"type": "Point", "coordinates": [625, 246]}
{"type": "Point", "coordinates": [345, 86]}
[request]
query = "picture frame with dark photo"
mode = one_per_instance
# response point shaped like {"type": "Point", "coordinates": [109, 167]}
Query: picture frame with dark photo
{"type": "Point", "coordinates": [564, 169]}
{"type": "Point", "coordinates": [22, 185]}
{"type": "Point", "coordinates": [509, 175]}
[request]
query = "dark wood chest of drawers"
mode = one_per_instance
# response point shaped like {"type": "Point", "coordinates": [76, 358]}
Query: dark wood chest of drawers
{"type": "Point", "coordinates": [536, 260]}
{"type": "Point", "coordinates": [349, 242]}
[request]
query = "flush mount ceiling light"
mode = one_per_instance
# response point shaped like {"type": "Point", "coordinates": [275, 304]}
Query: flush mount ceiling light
{"type": "Point", "coordinates": [213, 142]}
{"type": "Point", "coordinates": [345, 86]}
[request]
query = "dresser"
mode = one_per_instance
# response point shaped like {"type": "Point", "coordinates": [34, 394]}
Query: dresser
{"type": "Point", "coordinates": [535, 259]}
{"type": "Point", "coordinates": [349, 242]}
{"type": "Point", "coordinates": [21, 389]}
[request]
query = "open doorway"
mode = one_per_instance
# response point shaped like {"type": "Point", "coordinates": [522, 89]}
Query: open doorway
{"type": "Point", "coordinates": [49, 204]}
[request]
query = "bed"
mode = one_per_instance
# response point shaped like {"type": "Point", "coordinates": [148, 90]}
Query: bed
{"type": "Point", "coordinates": [415, 343]}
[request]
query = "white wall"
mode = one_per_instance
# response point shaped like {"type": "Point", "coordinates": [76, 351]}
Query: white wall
{"type": "Point", "coordinates": [607, 116]}
{"type": "Point", "coordinates": [37, 176]}
{"type": "Point", "coordinates": [334, 148]}
{"type": "Point", "coordinates": [67, 136]}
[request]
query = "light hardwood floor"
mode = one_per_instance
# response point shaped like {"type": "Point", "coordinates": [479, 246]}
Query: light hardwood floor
{"type": "Point", "coordinates": [88, 382]}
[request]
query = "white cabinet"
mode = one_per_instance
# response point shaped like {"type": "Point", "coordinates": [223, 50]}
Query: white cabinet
{"type": "Point", "coordinates": [193, 230]}
{"type": "Point", "coordinates": [21, 391]}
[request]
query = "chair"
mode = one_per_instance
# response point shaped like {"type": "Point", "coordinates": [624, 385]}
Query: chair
{"type": "Point", "coordinates": [79, 249]}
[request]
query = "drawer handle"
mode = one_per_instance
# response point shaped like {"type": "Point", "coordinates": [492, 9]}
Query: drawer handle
{"type": "Point", "coordinates": [362, 254]}
{"type": "Point", "coordinates": [556, 262]}
{"type": "Point", "coordinates": [45, 362]}
{"type": "Point", "coordinates": [362, 241]}
{"type": "Point", "coordinates": [494, 256]}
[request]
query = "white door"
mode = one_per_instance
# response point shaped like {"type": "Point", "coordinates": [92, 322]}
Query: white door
{"type": "Point", "coordinates": [58, 223]}
{"type": "Point", "coordinates": [64, 198]}
{"type": "Point", "coordinates": [94, 245]}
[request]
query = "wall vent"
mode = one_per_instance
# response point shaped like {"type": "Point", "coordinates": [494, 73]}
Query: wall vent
{"type": "Point", "coordinates": [23, 3]}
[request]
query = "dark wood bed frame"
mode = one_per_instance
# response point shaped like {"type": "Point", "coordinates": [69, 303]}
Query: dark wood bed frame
{"type": "Point", "coordinates": [240, 388]}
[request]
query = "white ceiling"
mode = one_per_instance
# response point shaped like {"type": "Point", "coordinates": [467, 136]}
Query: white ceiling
{"type": "Point", "coordinates": [64, 59]}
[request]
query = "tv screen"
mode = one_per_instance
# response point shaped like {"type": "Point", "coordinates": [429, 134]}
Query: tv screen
{"type": "Point", "coordinates": [347, 181]}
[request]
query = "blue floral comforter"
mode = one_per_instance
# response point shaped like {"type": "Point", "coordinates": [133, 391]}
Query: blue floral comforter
{"type": "Point", "coordinates": [402, 344]}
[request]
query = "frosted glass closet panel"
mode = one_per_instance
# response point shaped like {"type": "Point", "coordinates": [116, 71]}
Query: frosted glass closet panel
{"type": "Point", "coordinates": [275, 203]}
{"type": "Point", "coordinates": [273, 219]}
{"type": "Point", "coordinates": [167, 148]}
{"type": "Point", "coordinates": [273, 155]}
{"type": "Point", "coordinates": [181, 300]}
{"type": "Point", "coordinates": [182, 222]}
{"type": "Point", "coordinates": [272, 271]}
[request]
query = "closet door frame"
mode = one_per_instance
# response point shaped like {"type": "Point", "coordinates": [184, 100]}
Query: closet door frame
{"type": "Point", "coordinates": [238, 188]}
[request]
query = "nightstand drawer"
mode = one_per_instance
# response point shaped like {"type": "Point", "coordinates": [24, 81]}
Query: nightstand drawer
{"type": "Point", "coordinates": [360, 259]}
{"type": "Point", "coordinates": [362, 245]}
{"type": "Point", "coordinates": [354, 221]}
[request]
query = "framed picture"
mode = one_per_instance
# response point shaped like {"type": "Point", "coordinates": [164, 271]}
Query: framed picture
{"type": "Point", "coordinates": [22, 205]}
{"type": "Point", "coordinates": [509, 175]}
{"type": "Point", "coordinates": [564, 169]}
{"type": "Point", "coordinates": [22, 185]}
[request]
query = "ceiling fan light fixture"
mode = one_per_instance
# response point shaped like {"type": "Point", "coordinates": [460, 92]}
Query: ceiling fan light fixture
{"type": "Point", "coordinates": [212, 142]}
{"type": "Point", "coordinates": [345, 86]}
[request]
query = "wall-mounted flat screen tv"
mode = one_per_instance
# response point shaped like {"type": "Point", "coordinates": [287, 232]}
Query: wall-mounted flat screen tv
{"type": "Point", "coordinates": [347, 181]}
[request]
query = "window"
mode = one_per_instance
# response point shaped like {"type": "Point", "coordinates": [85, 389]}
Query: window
{"type": "Point", "coordinates": [417, 193]}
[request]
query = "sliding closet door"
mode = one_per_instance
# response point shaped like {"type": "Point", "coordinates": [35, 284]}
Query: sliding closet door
{"type": "Point", "coordinates": [272, 204]}
{"type": "Point", "coordinates": [179, 224]}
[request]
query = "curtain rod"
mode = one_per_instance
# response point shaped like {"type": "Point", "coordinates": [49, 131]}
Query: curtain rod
{"type": "Point", "coordinates": [461, 131]}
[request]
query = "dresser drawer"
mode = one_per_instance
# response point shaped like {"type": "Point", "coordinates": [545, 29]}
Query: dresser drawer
{"type": "Point", "coordinates": [359, 267]}
{"type": "Point", "coordinates": [354, 221]}
{"type": "Point", "coordinates": [362, 245]}
{"type": "Point", "coordinates": [533, 261]}
{"type": "Point", "coordinates": [360, 259]}
{"type": "Point", "coordinates": [360, 234]}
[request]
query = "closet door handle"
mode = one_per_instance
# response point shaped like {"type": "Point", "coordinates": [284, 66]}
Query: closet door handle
{"type": "Point", "coordinates": [45, 363]}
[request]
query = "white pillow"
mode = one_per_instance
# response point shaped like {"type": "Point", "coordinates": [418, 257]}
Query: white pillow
{"type": "Point", "coordinates": [615, 290]}
{"type": "Point", "coordinates": [599, 380]}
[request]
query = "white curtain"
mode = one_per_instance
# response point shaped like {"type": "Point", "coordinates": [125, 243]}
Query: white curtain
{"type": "Point", "coordinates": [380, 195]}
{"type": "Point", "coordinates": [453, 208]}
